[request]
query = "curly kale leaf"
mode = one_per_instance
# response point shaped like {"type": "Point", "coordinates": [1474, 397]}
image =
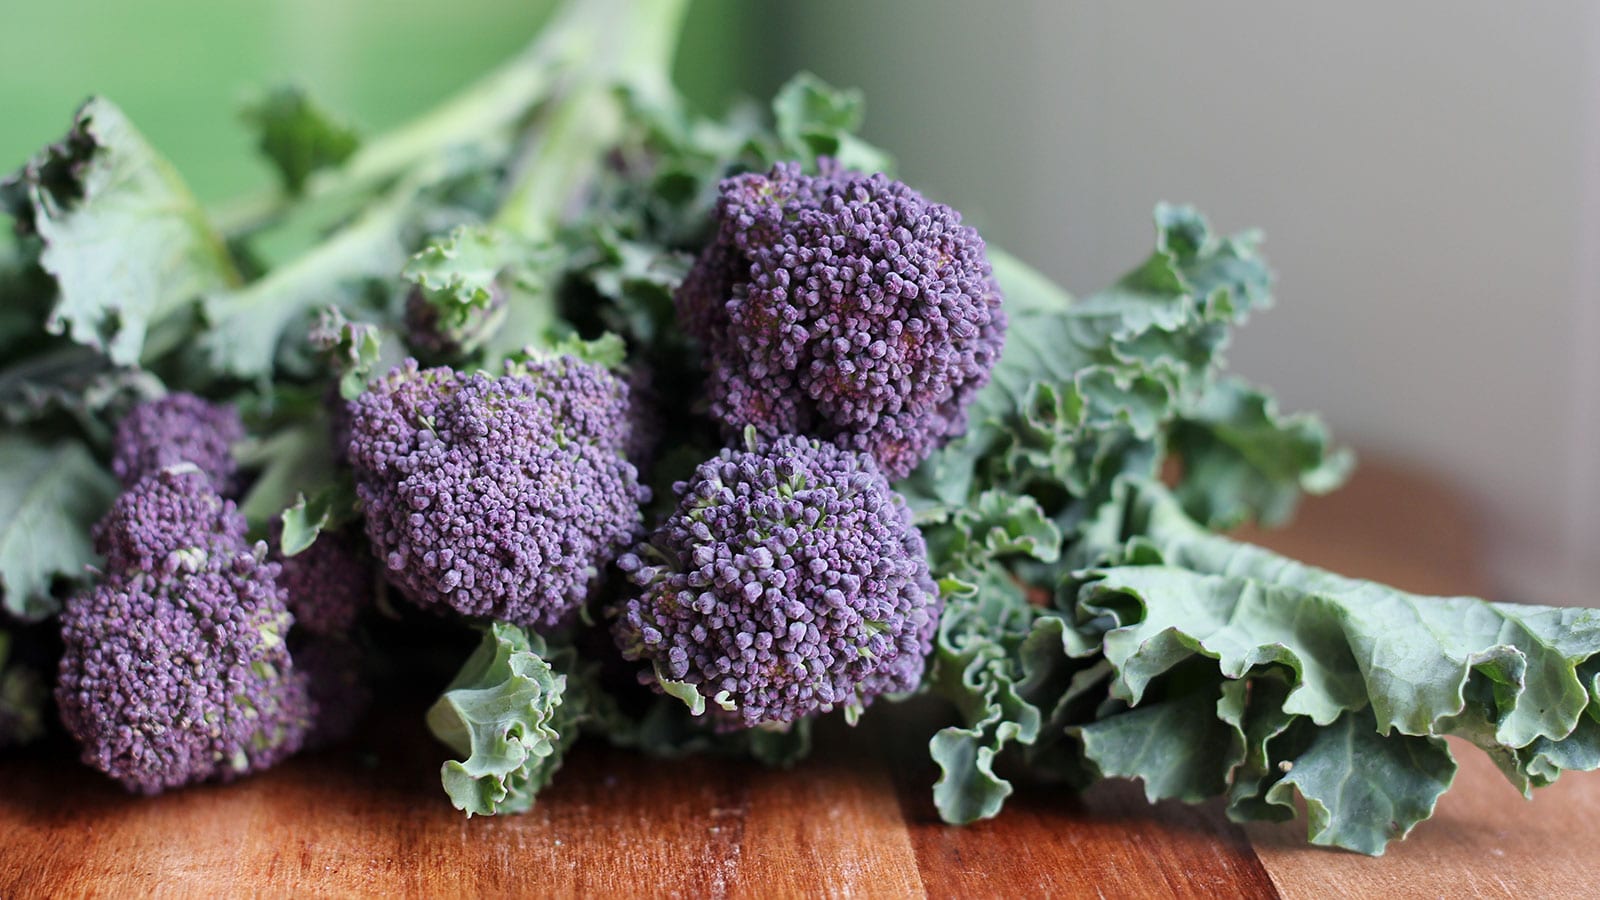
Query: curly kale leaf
{"type": "Point", "coordinates": [1085, 388]}
{"type": "Point", "coordinates": [50, 496]}
{"type": "Point", "coordinates": [1357, 683]}
{"type": "Point", "coordinates": [505, 714]}
{"type": "Point", "coordinates": [1087, 393]}
{"type": "Point", "coordinates": [298, 136]}
{"type": "Point", "coordinates": [1244, 460]}
{"type": "Point", "coordinates": [127, 244]}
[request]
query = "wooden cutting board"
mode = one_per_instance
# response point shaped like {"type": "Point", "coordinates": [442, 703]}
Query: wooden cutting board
{"type": "Point", "coordinates": [856, 819]}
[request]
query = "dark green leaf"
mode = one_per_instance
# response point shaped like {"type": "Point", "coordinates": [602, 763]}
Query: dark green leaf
{"type": "Point", "coordinates": [298, 136]}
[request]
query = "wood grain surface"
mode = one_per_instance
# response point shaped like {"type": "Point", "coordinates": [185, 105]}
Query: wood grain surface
{"type": "Point", "coordinates": [854, 820]}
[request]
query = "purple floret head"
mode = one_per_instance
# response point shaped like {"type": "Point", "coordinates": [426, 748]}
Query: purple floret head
{"type": "Point", "coordinates": [178, 428]}
{"type": "Point", "coordinates": [328, 584]}
{"type": "Point", "coordinates": [497, 497]}
{"type": "Point", "coordinates": [174, 667]}
{"type": "Point", "coordinates": [455, 330]}
{"type": "Point", "coordinates": [844, 306]}
{"type": "Point", "coordinates": [338, 684]}
{"type": "Point", "coordinates": [789, 581]}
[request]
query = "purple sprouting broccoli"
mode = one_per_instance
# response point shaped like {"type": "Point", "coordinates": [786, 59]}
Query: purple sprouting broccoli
{"type": "Point", "coordinates": [174, 667]}
{"type": "Point", "coordinates": [789, 581]}
{"type": "Point", "coordinates": [338, 684]}
{"type": "Point", "coordinates": [328, 584]}
{"type": "Point", "coordinates": [178, 428]}
{"type": "Point", "coordinates": [448, 331]}
{"type": "Point", "coordinates": [646, 424]}
{"type": "Point", "coordinates": [497, 497]}
{"type": "Point", "coordinates": [843, 306]}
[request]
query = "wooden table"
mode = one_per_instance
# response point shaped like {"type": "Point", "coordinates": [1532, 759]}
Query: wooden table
{"type": "Point", "coordinates": [856, 819]}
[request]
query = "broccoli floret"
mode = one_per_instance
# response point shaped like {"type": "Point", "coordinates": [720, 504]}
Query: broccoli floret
{"type": "Point", "coordinates": [790, 580]}
{"type": "Point", "coordinates": [646, 423]}
{"type": "Point", "coordinates": [174, 667]}
{"type": "Point", "coordinates": [22, 698]}
{"type": "Point", "coordinates": [496, 497]}
{"type": "Point", "coordinates": [449, 333]}
{"type": "Point", "coordinates": [844, 306]}
{"type": "Point", "coordinates": [337, 680]}
{"type": "Point", "coordinates": [176, 429]}
{"type": "Point", "coordinates": [328, 584]}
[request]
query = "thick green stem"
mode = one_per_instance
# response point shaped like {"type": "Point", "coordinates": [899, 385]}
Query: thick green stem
{"type": "Point", "coordinates": [495, 105]}
{"type": "Point", "coordinates": [630, 52]}
{"type": "Point", "coordinates": [630, 49]}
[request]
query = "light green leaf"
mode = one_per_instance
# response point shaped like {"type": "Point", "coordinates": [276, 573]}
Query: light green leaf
{"type": "Point", "coordinates": [460, 279]}
{"type": "Point", "coordinates": [248, 324]}
{"type": "Point", "coordinates": [813, 119]}
{"type": "Point", "coordinates": [128, 245]}
{"type": "Point", "coordinates": [503, 712]}
{"type": "Point", "coordinates": [328, 509]}
{"type": "Point", "coordinates": [606, 351]}
{"type": "Point", "coordinates": [50, 496]}
{"type": "Point", "coordinates": [293, 462]}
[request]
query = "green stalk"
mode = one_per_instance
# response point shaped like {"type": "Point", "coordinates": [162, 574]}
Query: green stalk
{"type": "Point", "coordinates": [496, 104]}
{"type": "Point", "coordinates": [563, 152]}
{"type": "Point", "coordinates": [573, 75]}
{"type": "Point", "coordinates": [633, 54]}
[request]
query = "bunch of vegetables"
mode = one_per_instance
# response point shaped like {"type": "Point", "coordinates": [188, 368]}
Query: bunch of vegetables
{"type": "Point", "coordinates": [710, 427]}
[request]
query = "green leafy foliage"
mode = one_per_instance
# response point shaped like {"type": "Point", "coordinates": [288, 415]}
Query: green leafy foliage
{"type": "Point", "coordinates": [353, 351]}
{"type": "Point", "coordinates": [129, 248]}
{"type": "Point", "coordinates": [74, 381]}
{"type": "Point", "coordinates": [1375, 676]}
{"type": "Point", "coordinates": [456, 277]}
{"type": "Point", "coordinates": [298, 136]}
{"type": "Point", "coordinates": [249, 325]}
{"type": "Point", "coordinates": [1085, 392]}
{"type": "Point", "coordinates": [1242, 459]}
{"type": "Point", "coordinates": [50, 495]}
{"type": "Point", "coordinates": [293, 462]}
{"type": "Point", "coordinates": [326, 510]}
{"type": "Point", "coordinates": [813, 119]}
{"type": "Point", "coordinates": [505, 713]}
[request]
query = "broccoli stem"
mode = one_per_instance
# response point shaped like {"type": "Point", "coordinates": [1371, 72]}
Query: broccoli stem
{"type": "Point", "coordinates": [496, 104]}
{"type": "Point", "coordinates": [633, 53]}
{"type": "Point", "coordinates": [574, 76]}
{"type": "Point", "coordinates": [563, 151]}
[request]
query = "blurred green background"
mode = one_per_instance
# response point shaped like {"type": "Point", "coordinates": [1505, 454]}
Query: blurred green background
{"type": "Point", "coordinates": [182, 68]}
